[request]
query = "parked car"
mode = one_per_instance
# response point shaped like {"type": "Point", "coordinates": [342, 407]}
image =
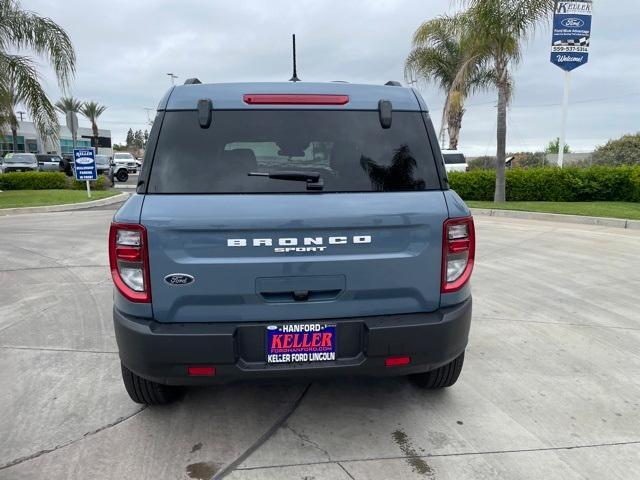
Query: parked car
{"type": "Point", "coordinates": [48, 162]}
{"type": "Point", "coordinates": [19, 162]}
{"type": "Point", "coordinates": [297, 230]}
{"type": "Point", "coordinates": [103, 165]}
{"type": "Point", "coordinates": [126, 159]}
{"type": "Point", "coordinates": [455, 161]}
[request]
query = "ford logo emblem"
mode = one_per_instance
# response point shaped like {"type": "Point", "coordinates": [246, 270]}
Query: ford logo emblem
{"type": "Point", "coordinates": [84, 160]}
{"type": "Point", "coordinates": [179, 279]}
{"type": "Point", "coordinates": [572, 22]}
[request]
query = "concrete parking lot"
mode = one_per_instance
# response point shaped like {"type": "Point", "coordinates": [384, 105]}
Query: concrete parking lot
{"type": "Point", "coordinates": [550, 388]}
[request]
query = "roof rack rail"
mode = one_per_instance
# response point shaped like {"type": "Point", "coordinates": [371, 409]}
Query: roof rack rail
{"type": "Point", "coordinates": [192, 81]}
{"type": "Point", "coordinates": [393, 83]}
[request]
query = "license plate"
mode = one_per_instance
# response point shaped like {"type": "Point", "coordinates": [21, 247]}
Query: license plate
{"type": "Point", "coordinates": [301, 343]}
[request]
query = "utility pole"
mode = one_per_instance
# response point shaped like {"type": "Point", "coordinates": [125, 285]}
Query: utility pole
{"type": "Point", "coordinates": [172, 77]}
{"type": "Point", "coordinates": [21, 114]}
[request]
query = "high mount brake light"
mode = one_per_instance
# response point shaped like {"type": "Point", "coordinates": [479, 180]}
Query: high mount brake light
{"type": "Point", "coordinates": [458, 253]}
{"type": "Point", "coordinates": [294, 99]}
{"type": "Point", "coordinates": [129, 261]}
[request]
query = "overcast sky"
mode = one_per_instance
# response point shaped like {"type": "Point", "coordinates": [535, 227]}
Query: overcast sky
{"type": "Point", "coordinates": [125, 49]}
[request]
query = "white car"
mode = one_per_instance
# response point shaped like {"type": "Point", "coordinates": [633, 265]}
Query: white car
{"type": "Point", "coordinates": [126, 159]}
{"type": "Point", "coordinates": [19, 162]}
{"type": "Point", "coordinates": [455, 161]}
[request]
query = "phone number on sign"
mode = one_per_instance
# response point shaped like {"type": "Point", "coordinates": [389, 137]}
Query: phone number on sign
{"type": "Point", "coordinates": [570, 49]}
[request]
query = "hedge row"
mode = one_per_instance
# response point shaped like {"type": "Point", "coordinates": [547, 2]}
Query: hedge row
{"type": "Point", "coordinates": [46, 181]}
{"type": "Point", "coordinates": [552, 184]}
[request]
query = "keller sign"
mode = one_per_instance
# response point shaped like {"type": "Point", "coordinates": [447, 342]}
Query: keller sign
{"type": "Point", "coordinates": [571, 33]}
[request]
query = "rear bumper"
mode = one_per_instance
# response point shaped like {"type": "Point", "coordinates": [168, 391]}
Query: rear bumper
{"type": "Point", "coordinates": [161, 352]}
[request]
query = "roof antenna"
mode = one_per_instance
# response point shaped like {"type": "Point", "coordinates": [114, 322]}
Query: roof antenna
{"type": "Point", "coordinates": [295, 73]}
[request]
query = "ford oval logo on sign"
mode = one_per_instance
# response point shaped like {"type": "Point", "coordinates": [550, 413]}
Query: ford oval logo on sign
{"type": "Point", "coordinates": [179, 279]}
{"type": "Point", "coordinates": [572, 23]}
{"type": "Point", "coordinates": [84, 160]}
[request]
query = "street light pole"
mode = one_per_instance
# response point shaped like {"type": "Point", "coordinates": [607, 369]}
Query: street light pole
{"type": "Point", "coordinates": [149, 121]}
{"type": "Point", "coordinates": [172, 77]}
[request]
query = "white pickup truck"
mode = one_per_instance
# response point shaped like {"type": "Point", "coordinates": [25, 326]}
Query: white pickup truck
{"type": "Point", "coordinates": [454, 161]}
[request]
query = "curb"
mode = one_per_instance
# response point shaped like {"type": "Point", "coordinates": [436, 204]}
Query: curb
{"type": "Point", "coordinates": [559, 217]}
{"type": "Point", "coordinates": [66, 207]}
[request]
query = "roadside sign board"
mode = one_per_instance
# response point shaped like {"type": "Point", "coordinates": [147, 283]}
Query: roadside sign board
{"type": "Point", "coordinates": [571, 33]}
{"type": "Point", "coordinates": [85, 164]}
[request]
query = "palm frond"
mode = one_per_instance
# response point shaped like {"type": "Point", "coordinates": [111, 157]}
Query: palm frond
{"type": "Point", "coordinates": [23, 29]}
{"type": "Point", "coordinates": [68, 104]}
{"type": "Point", "coordinates": [22, 83]}
{"type": "Point", "coordinates": [92, 110]}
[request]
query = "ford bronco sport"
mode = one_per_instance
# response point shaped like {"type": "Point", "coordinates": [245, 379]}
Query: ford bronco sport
{"type": "Point", "coordinates": [290, 229]}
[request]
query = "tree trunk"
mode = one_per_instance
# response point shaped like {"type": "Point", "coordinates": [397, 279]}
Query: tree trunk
{"type": "Point", "coordinates": [501, 134]}
{"type": "Point", "coordinates": [454, 124]}
{"type": "Point", "coordinates": [94, 126]}
{"type": "Point", "coordinates": [14, 137]}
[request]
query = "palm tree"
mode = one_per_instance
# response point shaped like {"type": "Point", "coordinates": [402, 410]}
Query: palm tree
{"type": "Point", "coordinates": [439, 51]}
{"type": "Point", "coordinates": [9, 102]}
{"type": "Point", "coordinates": [67, 105]}
{"type": "Point", "coordinates": [91, 110]}
{"type": "Point", "coordinates": [20, 30]}
{"type": "Point", "coordinates": [497, 31]}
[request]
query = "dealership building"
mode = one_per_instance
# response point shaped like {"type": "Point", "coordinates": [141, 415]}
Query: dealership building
{"type": "Point", "coordinates": [30, 141]}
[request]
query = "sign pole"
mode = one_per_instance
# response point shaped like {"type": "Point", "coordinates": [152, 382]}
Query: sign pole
{"type": "Point", "coordinates": [88, 190]}
{"type": "Point", "coordinates": [563, 125]}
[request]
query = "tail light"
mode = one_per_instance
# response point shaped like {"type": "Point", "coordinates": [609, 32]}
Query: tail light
{"type": "Point", "coordinates": [129, 261]}
{"type": "Point", "coordinates": [294, 99]}
{"type": "Point", "coordinates": [458, 253]}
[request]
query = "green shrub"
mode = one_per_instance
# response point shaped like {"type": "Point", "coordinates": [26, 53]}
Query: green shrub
{"type": "Point", "coordinates": [32, 181]}
{"type": "Point", "coordinates": [474, 185]}
{"type": "Point", "coordinates": [102, 183]}
{"type": "Point", "coordinates": [553, 184]}
{"type": "Point", "coordinates": [635, 185]}
{"type": "Point", "coordinates": [622, 151]}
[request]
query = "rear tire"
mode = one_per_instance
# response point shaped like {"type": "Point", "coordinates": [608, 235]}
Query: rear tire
{"type": "Point", "coordinates": [444, 376]}
{"type": "Point", "coordinates": [147, 392]}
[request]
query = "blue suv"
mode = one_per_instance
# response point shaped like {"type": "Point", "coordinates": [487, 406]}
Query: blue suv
{"type": "Point", "coordinates": [287, 230]}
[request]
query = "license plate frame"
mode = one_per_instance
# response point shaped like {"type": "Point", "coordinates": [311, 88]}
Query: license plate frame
{"type": "Point", "coordinates": [300, 343]}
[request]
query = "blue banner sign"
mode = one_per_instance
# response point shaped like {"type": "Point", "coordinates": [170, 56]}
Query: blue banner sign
{"type": "Point", "coordinates": [84, 164]}
{"type": "Point", "coordinates": [571, 33]}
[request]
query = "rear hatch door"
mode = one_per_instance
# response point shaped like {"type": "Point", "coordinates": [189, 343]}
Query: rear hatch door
{"type": "Point", "coordinates": [226, 246]}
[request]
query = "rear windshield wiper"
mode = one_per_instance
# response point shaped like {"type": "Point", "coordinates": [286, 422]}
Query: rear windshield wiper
{"type": "Point", "coordinates": [314, 182]}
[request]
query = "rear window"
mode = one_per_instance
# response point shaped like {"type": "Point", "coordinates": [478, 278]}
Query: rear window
{"type": "Point", "coordinates": [348, 149]}
{"type": "Point", "coordinates": [453, 158]}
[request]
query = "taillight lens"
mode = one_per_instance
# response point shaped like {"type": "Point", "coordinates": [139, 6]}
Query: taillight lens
{"type": "Point", "coordinates": [294, 99]}
{"type": "Point", "coordinates": [129, 261]}
{"type": "Point", "coordinates": [458, 253]}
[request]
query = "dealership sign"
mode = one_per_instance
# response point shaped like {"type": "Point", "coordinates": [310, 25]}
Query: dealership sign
{"type": "Point", "coordinates": [85, 164]}
{"type": "Point", "coordinates": [571, 34]}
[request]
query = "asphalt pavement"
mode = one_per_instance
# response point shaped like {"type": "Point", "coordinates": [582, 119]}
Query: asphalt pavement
{"type": "Point", "coordinates": [550, 387]}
